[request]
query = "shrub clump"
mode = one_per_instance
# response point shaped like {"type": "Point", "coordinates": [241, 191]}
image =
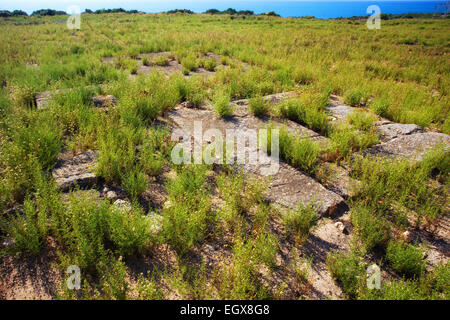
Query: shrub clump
{"type": "Point", "coordinates": [405, 258]}
{"type": "Point", "coordinates": [299, 222]}
{"type": "Point", "coordinates": [258, 106]}
{"type": "Point", "coordinates": [222, 106]}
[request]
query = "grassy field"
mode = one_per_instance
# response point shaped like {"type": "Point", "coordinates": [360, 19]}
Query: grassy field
{"type": "Point", "coordinates": [400, 72]}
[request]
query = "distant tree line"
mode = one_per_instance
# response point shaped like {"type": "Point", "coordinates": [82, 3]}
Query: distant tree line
{"type": "Point", "coordinates": [51, 12]}
{"type": "Point", "coordinates": [391, 16]}
{"type": "Point", "coordinates": [117, 10]}
{"type": "Point", "coordinates": [229, 11]}
{"type": "Point", "coordinates": [41, 12]}
{"type": "Point", "coordinates": [182, 11]}
{"type": "Point", "coordinates": [15, 13]}
{"type": "Point", "coordinates": [48, 12]}
{"type": "Point", "coordinates": [232, 11]}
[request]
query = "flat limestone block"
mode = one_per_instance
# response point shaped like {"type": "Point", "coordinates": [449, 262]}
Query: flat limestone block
{"type": "Point", "coordinates": [391, 130]}
{"type": "Point", "coordinates": [340, 112]}
{"type": "Point", "coordinates": [338, 109]}
{"type": "Point", "coordinates": [413, 146]}
{"type": "Point", "coordinates": [184, 119]}
{"type": "Point", "coordinates": [272, 99]}
{"type": "Point", "coordinates": [288, 186]}
{"type": "Point", "coordinates": [76, 171]}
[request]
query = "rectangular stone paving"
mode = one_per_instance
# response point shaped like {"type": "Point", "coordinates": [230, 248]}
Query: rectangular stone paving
{"type": "Point", "coordinates": [288, 186]}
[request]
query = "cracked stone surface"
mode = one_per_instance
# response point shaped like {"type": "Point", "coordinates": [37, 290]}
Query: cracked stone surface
{"type": "Point", "coordinates": [184, 118]}
{"type": "Point", "coordinates": [338, 109]}
{"type": "Point", "coordinates": [391, 130]}
{"type": "Point", "coordinates": [413, 146]}
{"type": "Point", "coordinates": [273, 99]}
{"type": "Point", "coordinates": [323, 239]}
{"type": "Point", "coordinates": [76, 171]}
{"type": "Point", "coordinates": [288, 186]}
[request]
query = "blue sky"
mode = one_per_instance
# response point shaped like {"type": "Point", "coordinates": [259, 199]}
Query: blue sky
{"type": "Point", "coordinates": [144, 5]}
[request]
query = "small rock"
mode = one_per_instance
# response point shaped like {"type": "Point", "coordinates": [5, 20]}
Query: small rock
{"type": "Point", "coordinates": [187, 104]}
{"type": "Point", "coordinates": [210, 247]}
{"type": "Point", "coordinates": [167, 204]}
{"type": "Point", "coordinates": [242, 102]}
{"type": "Point", "coordinates": [8, 242]}
{"type": "Point", "coordinates": [76, 171]}
{"type": "Point", "coordinates": [156, 222]}
{"type": "Point", "coordinates": [103, 101]}
{"type": "Point", "coordinates": [122, 205]}
{"type": "Point", "coordinates": [111, 195]}
{"type": "Point", "coordinates": [406, 236]}
{"type": "Point", "coordinates": [340, 226]}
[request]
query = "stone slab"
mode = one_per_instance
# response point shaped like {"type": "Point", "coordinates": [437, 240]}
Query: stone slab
{"type": "Point", "coordinates": [413, 146]}
{"type": "Point", "coordinates": [76, 171]}
{"type": "Point", "coordinates": [289, 186]}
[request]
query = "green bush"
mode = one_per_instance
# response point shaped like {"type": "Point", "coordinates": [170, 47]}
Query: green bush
{"type": "Point", "coordinates": [405, 258]}
{"type": "Point", "coordinates": [23, 96]}
{"type": "Point", "coordinates": [300, 222]}
{"type": "Point", "coordinates": [390, 187]}
{"type": "Point", "coordinates": [306, 111]}
{"type": "Point", "coordinates": [348, 271]}
{"type": "Point", "coordinates": [151, 161]}
{"type": "Point", "coordinates": [85, 236]}
{"type": "Point", "coordinates": [239, 278]}
{"type": "Point", "coordinates": [186, 224]}
{"type": "Point", "coordinates": [25, 230]}
{"type": "Point", "coordinates": [222, 106]}
{"type": "Point", "coordinates": [189, 63]}
{"type": "Point", "coordinates": [258, 106]}
{"type": "Point", "coordinates": [160, 61]}
{"type": "Point", "coordinates": [129, 230]}
{"type": "Point", "coordinates": [345, 140]}
{"type": "Point", "coordinates": [371, 227]}
{"type": "Point", "coordinates": [113, 278]}
{"type": "Point", "coordinates": [117, 154]}
{"type": "Point", "coordinates": [240, 192]}
{"type": "Point", "coordinates": [210, 64]}
{"type": "Point", "coordinates": [356, 97]}
{"type": "Point", "coordinates": [381, 107]}
{"type": "Point", "coordinates": [147, 289]}
{"type": "Point", "coordinates": [363, 121]}
{"type": "Point", "coordinates": [135, 183]}
{"type": "Point", "coordinates": [187, 219]}
{"type": "Point", "coordinates": [146, 61]}
{"type": "Point", "coordinates": [396, 290]}
{"type": "Point", "coordinates": [41, 138]}
{"type": "Point", "coordinates": [302, 153]}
